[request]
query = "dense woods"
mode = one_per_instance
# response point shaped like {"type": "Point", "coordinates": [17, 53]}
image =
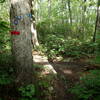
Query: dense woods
{"type": "Point", "coordinates": [49, 49]}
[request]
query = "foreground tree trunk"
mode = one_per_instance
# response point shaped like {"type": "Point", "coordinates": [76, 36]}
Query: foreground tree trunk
{"type": "Point", "coordinates": [20, 17]}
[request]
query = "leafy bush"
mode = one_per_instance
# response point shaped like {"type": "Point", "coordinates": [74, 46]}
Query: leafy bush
{"type": "Point", "coordinates": [5, 78]}
{"type": "Point", "coordinates": [27, 92]}
{"type": "Point", "coordinates": [89, 86]}
{"type": "Point", "coordinates": [58, 45]}
{"type": "Point", "coordinates": [4, 37]}
{"type": "Point", "coordinates": [54, 46]}
{"type": "Point", "coordinates": [97, 58]}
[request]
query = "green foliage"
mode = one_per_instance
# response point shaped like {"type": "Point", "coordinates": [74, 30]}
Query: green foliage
{"type": "Point", "coordinates": [1, 99]}
{"type": "Point", "coordinates": [54, 19]}
{"type": "Point", "coordinates": [28, 99]}
{"type": "Point", "coordinates": [89, 86]}
{"type": "Point", "coordinates": [5, 58]}
{"type": "Point", "coordinates": [27, 91]}
{"type": "Point", "coordinates": [44, 84]}
{"type": "Point", "coordinates": [58, 35]}
{"type": "Point", "coordinates": [2, 1]}
{"type": "Point", "coordinates": [59, 46]}
{"type": "Point", "coordinates": [4, 10]}
{"type": "Point", "coordinates": [5, 78]}
{"type": "Point", "coordinates": [5, 45]}
{"type": "Point", "coordinates": [97, 59]}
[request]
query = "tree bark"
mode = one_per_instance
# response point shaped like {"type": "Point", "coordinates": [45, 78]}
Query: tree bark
{"type": "Point", "coordinates": [83, 19]}
{"type": "Point", "coordinates": [62, 10]}
{"type": "Point", "coordinates": [49, 13]}
{"type": "Point", "coordinates": [21, 43]}
{"type": "Point", "coordinates": [97, 23]}
{"type": "Point", "coordinates": [33, 27]}
{"type": "Point", "coordinates": [70, 13]}
{"type": "Point", "coordinates": [49, 8]}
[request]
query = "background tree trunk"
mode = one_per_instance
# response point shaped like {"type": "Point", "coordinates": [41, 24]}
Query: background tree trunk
{"type": "Point", "coordinates": [70, 13]}
{"type": "Point", "coordinates": [21, 44]}
{"type": "Point", "coordinates": [84, 8]}
{"type": "Point", "coordinates": [33, 27]}
{"type": "Point", "coordinates": [49, 13]}
{"type": "Point", "coordinates": [97, 23]}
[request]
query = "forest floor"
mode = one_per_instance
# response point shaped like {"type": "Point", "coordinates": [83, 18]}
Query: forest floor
{"type": "Point", "coordinates": [53, 80]}
{"type": "Point", "coordinates": [67, 75]}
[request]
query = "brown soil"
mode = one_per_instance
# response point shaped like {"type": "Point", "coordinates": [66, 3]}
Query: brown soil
{"type": "Point", "coordinates": [68, 74]}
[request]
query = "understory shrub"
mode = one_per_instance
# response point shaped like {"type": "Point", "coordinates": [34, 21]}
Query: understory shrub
{"type": "Point", "coordinates": [5, 43]}
{"type": "Point", "coordinates": [5, 78]}
{"type": "Point", "coordinates": [59, 46]}
{"type": "Point", "coordinates": [27, 92]}
{"type": "Point", "coordinates": [89, 86]}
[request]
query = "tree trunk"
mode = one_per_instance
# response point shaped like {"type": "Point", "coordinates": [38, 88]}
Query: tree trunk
{"type": "Point", "coordinates": [97, 23]}
{"type": "Point", "coordinates": [20, 17]}
{"type": "Point", "coordinates": [33, 27]}
{"type": "Point", "coordinates": [49, 8]}
{"type": "Point", "coordinates": [49, 13]}
{"type": "Point", "coordinates": [70, 13]}
{"type": "Point", "coordinates": [83, 19]}
{"type": "Point", "coordinates": [62, 10]}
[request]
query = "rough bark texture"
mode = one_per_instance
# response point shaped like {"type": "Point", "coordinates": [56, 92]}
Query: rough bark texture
{"type": "Point", "coordinates": [97, 23]}
{"type": "Point", "coordinates": [21, 44]}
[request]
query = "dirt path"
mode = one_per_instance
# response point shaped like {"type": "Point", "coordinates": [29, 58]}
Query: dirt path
{"type": "Point", "coordinates": [42, 60]}
{"type": "Point", "coordinates": [68, 73]}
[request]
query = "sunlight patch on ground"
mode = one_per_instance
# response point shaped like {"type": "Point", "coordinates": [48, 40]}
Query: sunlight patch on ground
{"type": "Point", "coordinates": [67, 71]}
{"type": "Point", "coordinates": [42, 60]}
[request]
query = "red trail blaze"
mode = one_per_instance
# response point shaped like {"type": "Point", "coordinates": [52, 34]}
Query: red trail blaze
{"type": "Point", "coordinates": [15, 33]}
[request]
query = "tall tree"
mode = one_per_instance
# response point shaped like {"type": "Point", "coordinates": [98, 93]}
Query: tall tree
{"type": "Point", "coordinates": [49, 8]}
{"type": "Point", "coordinates": [83, 18]}
{"type": "Point", "coordinates": [33, 25]}
{"type": "Point", "coordinates": [97, 23]}
{"type": "Point", "coordinates": [70, 13]}
{"type": "Point", "coordinates": [20, 17]}
{"type": "Point", "coordinates": [62, 10]}
{"type": "Point", "coordinates": [49, 12]}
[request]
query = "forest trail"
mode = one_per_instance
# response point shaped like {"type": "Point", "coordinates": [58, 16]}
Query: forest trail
{"type": "Point", "coordinates": [68, 73]}
{"type": "Point", "coordinates": [42, 60]}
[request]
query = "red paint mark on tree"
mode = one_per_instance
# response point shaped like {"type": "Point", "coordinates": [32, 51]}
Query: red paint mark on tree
{"type": "Point", "coordinates": [15, 33]}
